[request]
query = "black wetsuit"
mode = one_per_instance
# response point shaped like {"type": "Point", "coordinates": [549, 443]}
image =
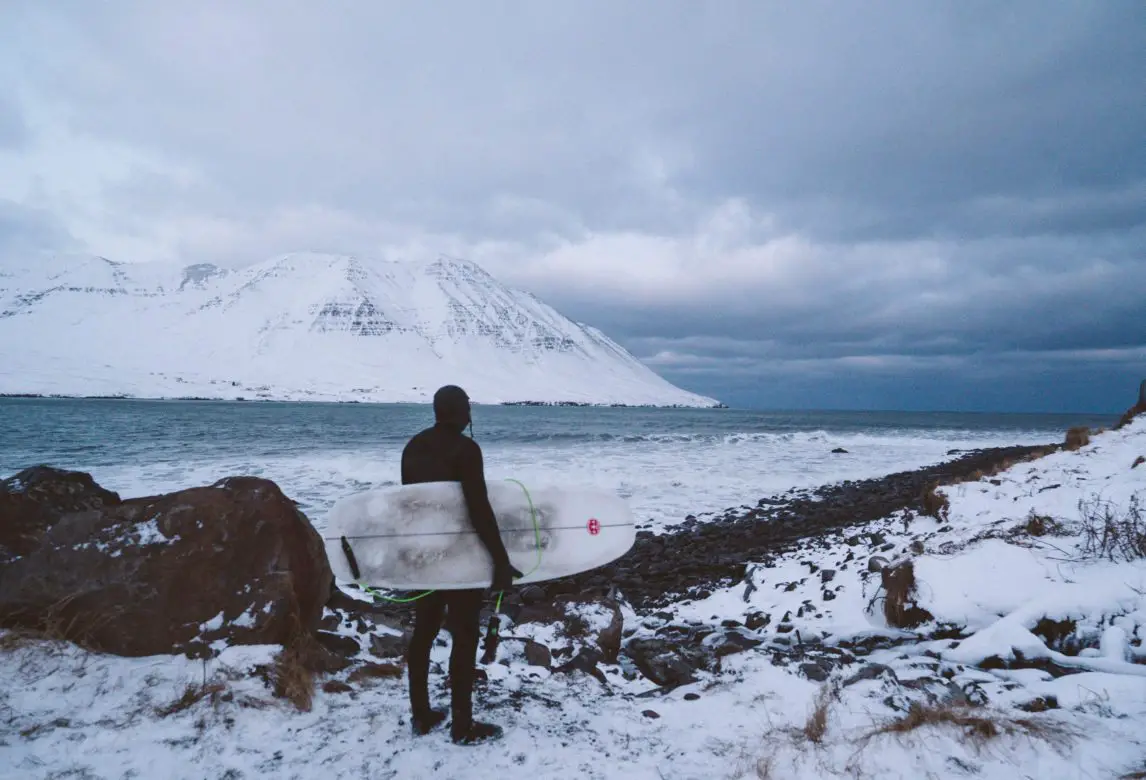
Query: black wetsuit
{"type": "Point", "coordinates": [443, 454]}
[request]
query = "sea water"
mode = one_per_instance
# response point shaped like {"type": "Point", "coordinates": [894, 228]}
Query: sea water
{"type": "Point", "coordinates": [668, 463]}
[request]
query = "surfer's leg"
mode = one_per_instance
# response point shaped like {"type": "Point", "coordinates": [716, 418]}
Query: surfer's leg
{"type": "Point", "coordinates": [428, 612]}
{"type": "Point", "coordinates": [463, 614]}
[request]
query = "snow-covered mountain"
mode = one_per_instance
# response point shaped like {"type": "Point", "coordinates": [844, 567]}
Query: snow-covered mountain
{"type": "Point", "coordinates": [304, 326]}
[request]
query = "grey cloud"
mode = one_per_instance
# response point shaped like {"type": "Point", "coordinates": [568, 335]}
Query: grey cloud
{"type": "Point", "coordinates": [968, 177]}
{"type": "Point", "coordinates": [13, 130]}
{"type": "Point", "coordinates": [26, 231]}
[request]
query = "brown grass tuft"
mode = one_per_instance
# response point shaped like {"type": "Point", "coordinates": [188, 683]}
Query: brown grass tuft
{"type": "Point", "coordinates": [192, 695]}
{"type": "Point", "coordinates": [817, 724]}
{"type": "Point", "coordinates": [292, 679]}
{"type": "Point", "coordinates": [1041, 525]}
{"type": "Point", "coordinates": [899, 606]}
{"type": "Point", "coordinates": [1138, 462]}
{"type": "Point", "coordinates": [1077, 438]}
{"type": "Point", "coordinates": [975, 724]}
{"type": "Point", "coordinates": [935, 503]}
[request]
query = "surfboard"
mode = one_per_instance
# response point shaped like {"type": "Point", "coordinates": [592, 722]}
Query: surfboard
{"type": "Point", "coordinates": [419, 537]}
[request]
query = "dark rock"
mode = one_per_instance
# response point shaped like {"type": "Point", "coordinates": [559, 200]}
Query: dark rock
{"type": "Point", "coordinates": [870, 672]}
{"type": "Point", "coordinates": [839, 451]}
{"type": "Point", "coordinates": [34, 500]}
{"type": "Point", "coordinates": [757, 620]}
{"type": "Point", "coordinates": [389, 645]}
{"type": "Point", "coordinates": [345, 646]}
{"type": "Point", "coordinates": [609, 638]}
{"type": "Point", "coordinates": [828, 595]}
{"type": "Point", "coordinates": [827, 575]}
{"type": "Point", "coordinates": [532, 594]}
{"type": "Point", "coordinates": [665, 663]}
{"type": "Point", "coordinates": [236, 561]}
{"type": "Point", "coordinates": [652, 714]}
{"type": "Point", "coordinates": [814, 672]}
{"type": "Point", "coordinates": [691, 696]}
{"type": "Point", "coordinates": [735, 642]}
{"type": "Point", "coordinates": [537, 654]}
{"type": "Point", "coordinates": [586, 661]}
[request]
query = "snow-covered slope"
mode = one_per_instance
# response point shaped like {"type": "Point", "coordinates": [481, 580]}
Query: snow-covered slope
{"type": "Point", "coordinates": [304, 326]}
{"type": "Point", "coordinates": [1010, 552]}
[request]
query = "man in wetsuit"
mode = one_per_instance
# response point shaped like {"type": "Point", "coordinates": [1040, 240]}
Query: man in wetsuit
{"type": "Point", "coordinates": [442, 453]}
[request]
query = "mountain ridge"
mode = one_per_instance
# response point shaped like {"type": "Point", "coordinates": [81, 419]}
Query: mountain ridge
{"type": "Point", "coordinates": [305, 326]}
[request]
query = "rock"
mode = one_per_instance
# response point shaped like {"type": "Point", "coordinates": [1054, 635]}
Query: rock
{"type": "Point", "coordinates": [757, 620]}
{"type": "Point", "coordinates": [814, 672]}
{"type": "Point", "coordinates": [665, 663]}
{"type": "Point", "coordinates": [691, 696]}
{"type": "Point", "coordinates": [839, 451]}
{"type": "Point", "coordinates": [336, 686]}
{"type": "Point", "coordinates": [236, 561]}
{"type": "Point", "coordinates": [344, 646]}
{"type": "Point", "coordinates": [733, 642]}
{"type": "Point", "coordinates": [532, 594]}
{"type": "Point", "coordinates": [585, 661]}
{"type": "Point", "coordinates": [34, 500]}
{"type": "Point", "coordinates": [917, 547]}
{"type": "Point", "coordinates": [870, 672]}
{"type": "Point", "coordinates": [537, 654]}
{"type": "Point", "coordinates": [876, 563]}
{"type": "Point", "coordinates": [651, 714]}
{"type": "Point", "coordinates": [827, 575]}
{"type": "Point", "coordinates": [389, 645]}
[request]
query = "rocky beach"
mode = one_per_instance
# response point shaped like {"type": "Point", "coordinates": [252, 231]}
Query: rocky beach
{"type": "Point", "coordinates": [994, 600]}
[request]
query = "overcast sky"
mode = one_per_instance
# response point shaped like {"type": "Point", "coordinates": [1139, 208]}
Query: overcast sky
{"type": "Point", "coordinates": [892, 205]}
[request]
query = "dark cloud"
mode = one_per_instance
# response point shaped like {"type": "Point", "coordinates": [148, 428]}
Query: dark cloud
{"type": "Point", "coordinates": [878, 192]}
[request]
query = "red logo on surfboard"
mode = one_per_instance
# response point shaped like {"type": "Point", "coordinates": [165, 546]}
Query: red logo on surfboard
{"type": "Point", "coordinates": [594, 526]}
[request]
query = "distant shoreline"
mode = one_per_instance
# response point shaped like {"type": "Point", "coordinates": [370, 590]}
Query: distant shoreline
{"type": "Point", "coordinates": [244, 399]}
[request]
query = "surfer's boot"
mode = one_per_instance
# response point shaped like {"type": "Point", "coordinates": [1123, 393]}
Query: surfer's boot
{"type": "Point", "coordinates": [475, 733]}
{"type": "Point", "coordinates": [425, 722]}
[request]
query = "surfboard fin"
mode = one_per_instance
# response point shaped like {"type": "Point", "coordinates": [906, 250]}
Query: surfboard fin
{"type": "Point", "coordinates": [350, 558]}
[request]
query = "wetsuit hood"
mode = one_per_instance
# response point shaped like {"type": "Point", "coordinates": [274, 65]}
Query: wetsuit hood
{"type": "Point", "coordinates": [452, 406]}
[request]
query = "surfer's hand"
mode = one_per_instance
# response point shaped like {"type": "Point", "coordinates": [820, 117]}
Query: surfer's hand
{"type": "Point", "coordinates": [503, 577]}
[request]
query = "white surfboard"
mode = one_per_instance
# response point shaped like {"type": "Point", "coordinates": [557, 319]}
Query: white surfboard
{"type": "Point", "coordinates": [419, 537]}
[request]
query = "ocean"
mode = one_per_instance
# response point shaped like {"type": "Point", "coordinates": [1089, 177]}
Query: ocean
{"type": "Point", "coordinates": [668, 463]}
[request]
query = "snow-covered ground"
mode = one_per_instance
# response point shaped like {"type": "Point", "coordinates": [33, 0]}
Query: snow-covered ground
{"type": "Point", "coordinates": [1010, 552]}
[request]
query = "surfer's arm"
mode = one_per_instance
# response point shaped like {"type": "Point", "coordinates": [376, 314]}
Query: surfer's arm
{"type": "Point", "coordinates": [477, 502]}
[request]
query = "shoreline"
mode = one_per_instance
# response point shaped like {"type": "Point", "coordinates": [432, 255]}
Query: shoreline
{"type": "Point", "coordinates": [265, 400]}
{"type": "Point", "coordinates": [694, 557]}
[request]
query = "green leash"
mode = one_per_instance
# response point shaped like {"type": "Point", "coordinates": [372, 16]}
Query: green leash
{"type": "Point", "coordinates": [497, 608]}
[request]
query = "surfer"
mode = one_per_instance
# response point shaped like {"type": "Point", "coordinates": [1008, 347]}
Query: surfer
{"type": "Point", "coordinates": [441, 453]}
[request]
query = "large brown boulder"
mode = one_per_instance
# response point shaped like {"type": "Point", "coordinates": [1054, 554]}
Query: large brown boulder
{"type": "Point", "coordinates": [236, 561]}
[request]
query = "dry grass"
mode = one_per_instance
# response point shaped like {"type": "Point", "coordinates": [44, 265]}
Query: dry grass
{"type": "Point", "coordinates": [292, 675]}
{"type": "Point", "coordinates": [1112, 533]}
{"type": "Point", "coordinates": [1041, 525]}
{"type": "Point", "coordinates": [1077, 438]}
{"type": "Point", "coordinates": [975, 725]}
{"type": "Point", "coordinates": [899, 606]}
{"type": "Point", "coordinates": [192, 695]}
{"type": "Point", "coordinates": [935, 504]}
{"type": "Point", "coordinates": [817, 724]}
{"type": "Point", "coordinates": [1138, 462]}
